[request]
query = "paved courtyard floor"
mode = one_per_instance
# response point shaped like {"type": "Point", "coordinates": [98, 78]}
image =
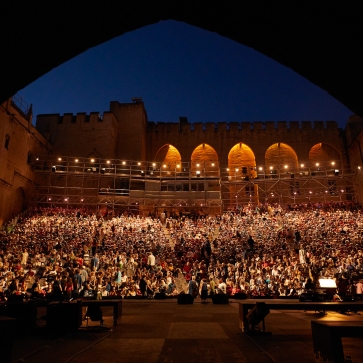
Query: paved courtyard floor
{"type": "Point", "coordinates": [162, 331]}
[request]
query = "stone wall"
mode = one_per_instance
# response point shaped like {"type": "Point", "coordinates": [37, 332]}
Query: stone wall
{"type": "Point", "coordinates": [258, 136]}
{"type": "Point", "coordinates": [17, 155]}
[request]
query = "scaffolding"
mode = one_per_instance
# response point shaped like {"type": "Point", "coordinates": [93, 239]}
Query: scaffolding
{"type": "Point", "coordinates": [145, 187]}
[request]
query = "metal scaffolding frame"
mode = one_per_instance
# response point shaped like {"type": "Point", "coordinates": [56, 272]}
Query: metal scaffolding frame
{"type": "Point", "coordinates": [148, 186]}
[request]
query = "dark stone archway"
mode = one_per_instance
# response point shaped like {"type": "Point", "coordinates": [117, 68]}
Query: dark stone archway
{"type": "Point", "coordinates": [321, 43]}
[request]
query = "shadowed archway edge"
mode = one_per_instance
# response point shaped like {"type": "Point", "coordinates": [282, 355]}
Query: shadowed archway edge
{"type": "Point", "coordinates": [318, 41]}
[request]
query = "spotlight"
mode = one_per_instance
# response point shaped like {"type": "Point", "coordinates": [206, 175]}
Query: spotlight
{"type": "Point", "coordinates": [270, 167]}
{"type": "Point", "coordinates": [66, 199]}
{"type": "Point", "coordinates": [302, 165]}
{"type": "Point", "coordinates": [178, 166]}
{"type": "Point", "coordinates": [37, 158]}
{"type": "Point", "coordinates": [333, 163]}
{"type": "Point", "coordinates": [237, 169]}
{"type": "Point", "coordinates": [59, 159]}
{"type": "Point", "coordinates": [92, 160]}
{"type": "Point", "coordinates": [260, 168]}
{"type": "Point", "coordinates": [154, 164]}
{"type": "Point", "coordinates": [139, 163]}
{"type": "Point", "coordinates": [124, 163]}
{"type": "Point", "coordinates": [164, 166]}
{"type": "Point", "coordinates": [317, 164]}
{"type": "Point", "coordinates": [212, 164]}
{"type": "Point", "coordinates": [108, 161]}
{"type": "Point", "coordinates": [76, 160]}
{"type": "Point", "coordinates": [197, 165]}
{"type": "Point", "coordinates": [227, 169]}
{"type": "Point", "coordinates": [198, 173]}
{"type": "Point", "coordinates": [49, 198]}
{"type": "Point", "coordinates": [336, 172]}
{"type": "Point", "coordinates": [82, 200]}
{"type": "Point", "coordinates": [285, 166]}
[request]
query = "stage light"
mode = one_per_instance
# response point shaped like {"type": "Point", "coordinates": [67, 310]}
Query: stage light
{"type": "Point", "coordinates": [310, 192]}
{"type": "Point", "coordinates": [317, 164]}
{"type": "Point", "coordinates": [212, 164]}
{"type": "Point", "coordinates": [227, 169]}
{"type": "Point", "coordinates": [342, 190]}
{"type": "Point", "coordinates": [37, 158]}
{"type": "Point", "coordinates": [82, 200]}
{"type": "Point", "coordinates": [197, 165]}
{"type": "Point", "coordinates": [59, 159]}
{"type": "Point", "coordinates": [49, 198]}
{"type": "Point", "coordinates": [124, 163]}
{"type": "Point", "coordinates": [285, 166]}
{"type": "Point", "coordinates": [302, 165]}
{"type": "Point", "coordinates": [260, 168]}
{"type": "Point", "coordinates": [359, 167]}
{"type": "Point", "coordinates": [154, 164]}
{"type": "Point", "coordinates": [76, 160]}
{"type": "Point", "coordinates": [270, 167]}
{"type": "Point", "coordinates": [139, 163]}
{"type": "Point", "coordinates": [164, 166]}
{"type": "Point", "coordinates": [178, 166]}
{"type": "Point", "coordinates": [92, 160]}
{"type": "Point", "coordinates": [198, 173]}
{"type": "Point", "coordinates": [108, 161]}
{"type": "Point", "coordinates": [66, 199]}
{"type": "Point", "coordinates": [237, 169]}
{"type": "Point", "coordinates": [336, 172]}
{"type": "Point", "coordinates": [333, 163]}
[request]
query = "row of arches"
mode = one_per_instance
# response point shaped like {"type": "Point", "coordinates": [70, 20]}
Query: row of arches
{"type": "Point", "coordinates": [241, 156]}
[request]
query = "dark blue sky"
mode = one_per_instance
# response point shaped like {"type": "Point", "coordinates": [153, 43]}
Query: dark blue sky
{"type": "Point", "coordinates": [180, 70]}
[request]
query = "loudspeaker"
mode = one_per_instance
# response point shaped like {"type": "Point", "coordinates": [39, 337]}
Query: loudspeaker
{"type": "Point", "coordinates": [184, 299]}
{"type": "Point", "coordinates": [239, 296]}
{"type": "Point", "coordinates": [220, 299]}
{"type": "Point", "coordinates": [160, 296]}
{"type": "Point", "coordinates": [65, 316]}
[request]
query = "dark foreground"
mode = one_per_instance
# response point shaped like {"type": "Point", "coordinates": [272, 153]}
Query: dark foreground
{"type": "Point", "coordinates": [163, 331]}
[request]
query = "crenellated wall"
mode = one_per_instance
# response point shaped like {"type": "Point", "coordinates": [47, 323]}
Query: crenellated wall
{"type": "Point", "coordinates": [80, 135]}
{"type": "Point", "coordinates": [259, 136]}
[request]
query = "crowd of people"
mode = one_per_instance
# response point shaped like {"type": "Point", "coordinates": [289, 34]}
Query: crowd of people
{"type": "Point", "coordinates": [263, 250]}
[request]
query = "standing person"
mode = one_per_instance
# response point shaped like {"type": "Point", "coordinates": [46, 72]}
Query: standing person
{"type": "Point", "coordinates": [222, 287]}
{"type": "Point", "coordinates": [95, 262]}
{"type": "Point", "coordinates": [212, 285]}
{"type": "Point", "coordinates": [151, 261]}
{"type": "Point", "coordinates": [359, 290]}
{"type": "Point", "coordinates": [302, 255]}
{"type": "Point", "coordinates": [193, 287]}
{"type": "Point", "coordinates": [251, 243]}
{"type": "Point", "coordinates": [24, 257]}
{"type": "Point", "coordinates": [203, 291]}
{"type": "Point", "coordinates": [143, 286]}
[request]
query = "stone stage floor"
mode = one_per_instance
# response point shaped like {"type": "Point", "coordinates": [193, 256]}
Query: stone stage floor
{"type": "Point", "coordinates": [163, 331]}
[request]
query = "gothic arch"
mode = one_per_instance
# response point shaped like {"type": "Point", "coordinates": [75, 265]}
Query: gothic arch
{"type": "Point", "coordinates": [279, 27]}
{"type": "Point", "coordinates": [168, 155]}
{"type": "Point", "coordinates": [325, 154]}
{"type": "Point", "coordinates": [241, 161]}
{"type": "Point", "coordinates": [280, 156]}
{"type": "Point", "coordinates": [203, 156]}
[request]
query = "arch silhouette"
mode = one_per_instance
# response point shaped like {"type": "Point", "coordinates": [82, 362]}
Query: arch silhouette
{"type": "Point", "coordinates": [241, 161]}
{"type": "Point", "coordinates": [318, 42]}
{"type": "Point", "coordinates": [325, 153]}
{"type": "Point", "coordinates": [168, 155]}
{"type": "Point", "coordinates": [202, 156]}
{"type": "Point", "coordinates": [279, 155]}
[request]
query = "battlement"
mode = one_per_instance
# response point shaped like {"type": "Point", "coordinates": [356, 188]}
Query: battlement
{"type": "Point", "coordinates": [236, 127]}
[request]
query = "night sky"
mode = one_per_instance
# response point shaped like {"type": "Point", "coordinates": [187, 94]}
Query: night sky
{"type": "Point", "coordinates": [180, 70]}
